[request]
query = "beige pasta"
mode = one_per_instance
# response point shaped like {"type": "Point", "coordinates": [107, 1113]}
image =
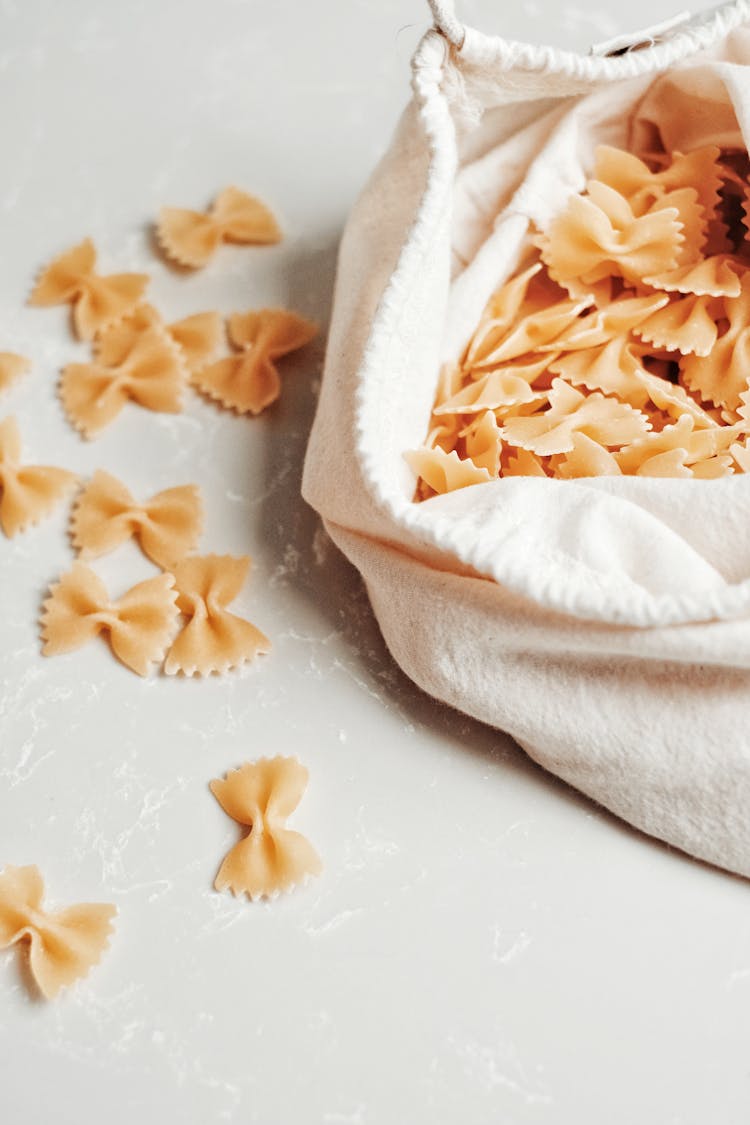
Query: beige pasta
{"type": "Point", "coordinates": [144, 367]}
{"type": "Point", "coordinates": [190, 238]}
{"type": "Point", "coordinates": [167, 526]}
{"type": "Point", "coordinates": [622, 348]}
{"type": "Point", "coordinates": [213, 639]}
{"type": "Point", "coordinates": [249, 381]}
{"type": "Point", "coordinates": [97, 301]}
{"type": "Point", "coordinates": [270, 858]}
{"type": "Point", "coordinates": [27, 492]}
{"type": "Point", "coordinates": [12, 367]}
{"type": "Point", "coordinates": [139, 625]}
{"type": "Point", "coordinates": [63, 945]}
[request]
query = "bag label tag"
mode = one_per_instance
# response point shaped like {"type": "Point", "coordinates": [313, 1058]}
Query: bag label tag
{"type": "Point", "coordinates": [635, 41]}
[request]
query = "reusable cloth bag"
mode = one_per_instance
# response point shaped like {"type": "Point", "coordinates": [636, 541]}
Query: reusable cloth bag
{"type": "Point", "coordinates": [603, 622]}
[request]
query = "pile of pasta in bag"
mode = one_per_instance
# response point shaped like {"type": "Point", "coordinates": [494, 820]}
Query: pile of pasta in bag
{"type": "Point", "coordinates": [621, 345]}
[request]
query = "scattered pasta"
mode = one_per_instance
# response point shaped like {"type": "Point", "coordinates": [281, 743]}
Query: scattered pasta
{"type": "Point", "coordinates": [140, 624]}
{"type": "Point", "coordinates": [27, 492]}
{"type": "Point", "coordinates": [249, 382]}
{"type": "Point", "coordinates": [12, 367]}
{"type": "Point", "coordinates": [105, 515]}
{"type": "Point", "coordinates": [271, 858]}
{"type": "Point", "coordinates": [621, 347]}
{"type": "Point", "coordinates": [190, 238]}
{"type": "Point", "coordinates": [63, 945]}
{"type": "Point", "coordinates": [139, 357]}
{"type": "Point", "coordinates": [145, 367]}
{"type": "Point", "coordinates": [213, 640]}
{"type": "Point", "coordinates": [97, 301]}
{"type": "Point", "coordinates": [197, 336]}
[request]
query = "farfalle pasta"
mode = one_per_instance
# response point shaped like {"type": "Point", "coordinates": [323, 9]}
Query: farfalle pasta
{"type": "Point", "coordinates": [605, 420]}
{"type": "Point", "coordinates": [12, 367]}
{"type": "Point", "coordinates": [97, 301]}
{"type": "Point", "coordinates": [622, 347]}
{"type": "Point", "coordinates": [144, 367]}
{"type": "Point", "coordinates": [270, 858]}
{"type": "Point", "coordinates": [250, 381]}
{"type": "Point", "coordinates": [63, 945]}
{"type": "Point", "coordinates": [27, 492]}
{"type": "Point", "coordinates": [197, 336]}
{"type": "Point", "coordinates": [721, 376]}
{"type": "Point", "coordinates": [642, 186]}
{"type": "Point", "coordinates": [599, 235]}
{"type": "Point", "coordinates": [190, 238]}
{"type": "Point", "coordinates": [139, 625]}
{"type": "Point", "coordinates": [167, 526]}
{"type": "Point", "coordinates": [213, 639]}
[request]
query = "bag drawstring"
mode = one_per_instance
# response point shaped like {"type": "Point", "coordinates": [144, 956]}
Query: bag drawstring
{"type": "Point", "coordinates": [446, 21]}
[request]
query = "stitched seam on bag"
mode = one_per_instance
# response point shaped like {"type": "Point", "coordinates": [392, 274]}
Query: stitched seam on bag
{"type": "Point", "coordinates": [705, 30]}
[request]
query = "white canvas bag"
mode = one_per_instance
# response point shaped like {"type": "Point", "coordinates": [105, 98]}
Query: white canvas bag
{"type": "Point", "coordinates": [605, 622]}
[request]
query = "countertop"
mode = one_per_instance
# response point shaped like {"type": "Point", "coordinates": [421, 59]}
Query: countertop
{"type": "Point", "coordinates": [484, 945]}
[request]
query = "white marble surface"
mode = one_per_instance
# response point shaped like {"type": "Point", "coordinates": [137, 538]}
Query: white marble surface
{"type": "Point", "coordinates": [484, 945]}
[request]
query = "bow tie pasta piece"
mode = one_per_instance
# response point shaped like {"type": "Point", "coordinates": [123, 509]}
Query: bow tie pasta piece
{"type": "Point", "coordinates": [27, 492]}
{"type": "Point", "coordinates": [684, 325]}
{"type": "Point", "coordinates": [673, 399]}
{"type": "Point", "coordinates": [277, 332]}
{"type": "Point", "coordinates": [493, 391]}
{"type": "Point", "coordinates": [722, 375]}
{"type": "Point", "coordinates": [250, 381]}
{"type": "Point", "coordinates": [538, 328]}
{"type": "Point", "coordinates": [716, 276]}
{"type": "Point", "coordinates": [63, 944]}
{"type": "Point", "coordinates": [599, 235]}
{"type": "Point", "coordinates": [653, 444]}
{"type": "Point", "coordinates": [445, 432]}
{"type": "Point", "coordinates": [483, 443]}
{"type": "Point", "coordinates": [714, 467]}
{"type": "Point", "coordinates": [149, 372]}
{"type": "Point", "coordinates": [505, 307]}
{"type": "Point", "coordinates": [671, 463]}
{"type": "Point", "coordinates": [694, 445]}
{"type": "Point", "coordinates": [271, 858]}
{"type": "Point", "coordinates": [611, 368]}
{"type": "Point", "coordinates": [588, 459]}
{"type": "Point", "coordinates": [140, 624]}
{"type": "Point", "coordinates": [605, 420]}
{"type": "Point", "coordinates": [112, 346]}
{"type": "Point", "coordinates": [213, 640]}
{"type": "Point", "coordinates": [691, 219]}
{"type": "Point", "coordinates": [12, 367]}
{"type": "Point", "coordinates": [167, 526]}
{"type": "Point", "coordinates": [445, 472]}
{"type": "Point", "coordinates": [602, 325]}
{"type": "Point", "coordinates": [521, 463]}
{"type": "Point", "coordinates": [197, 336]}
{"type": "Point", "coordinates": [741, 454]}
{"type": "Point", "coordinates": [727, 229]}
{"type": "Point", "coordinates": [450, 382]}
{"type": "Point", "coordinates": [513, 298]}
{"type": "Point", "coordinates": [699, 169]}
{"type": "Point", "coordinates": [190, 238]}
{"type": "Point", "coordinates": [97, 301]}
{"type": "Point", "coordinates": [632, 178]}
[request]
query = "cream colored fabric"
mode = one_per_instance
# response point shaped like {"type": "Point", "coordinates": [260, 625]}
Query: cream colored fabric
{"type": "Point", "coordinates": [603, 622]}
